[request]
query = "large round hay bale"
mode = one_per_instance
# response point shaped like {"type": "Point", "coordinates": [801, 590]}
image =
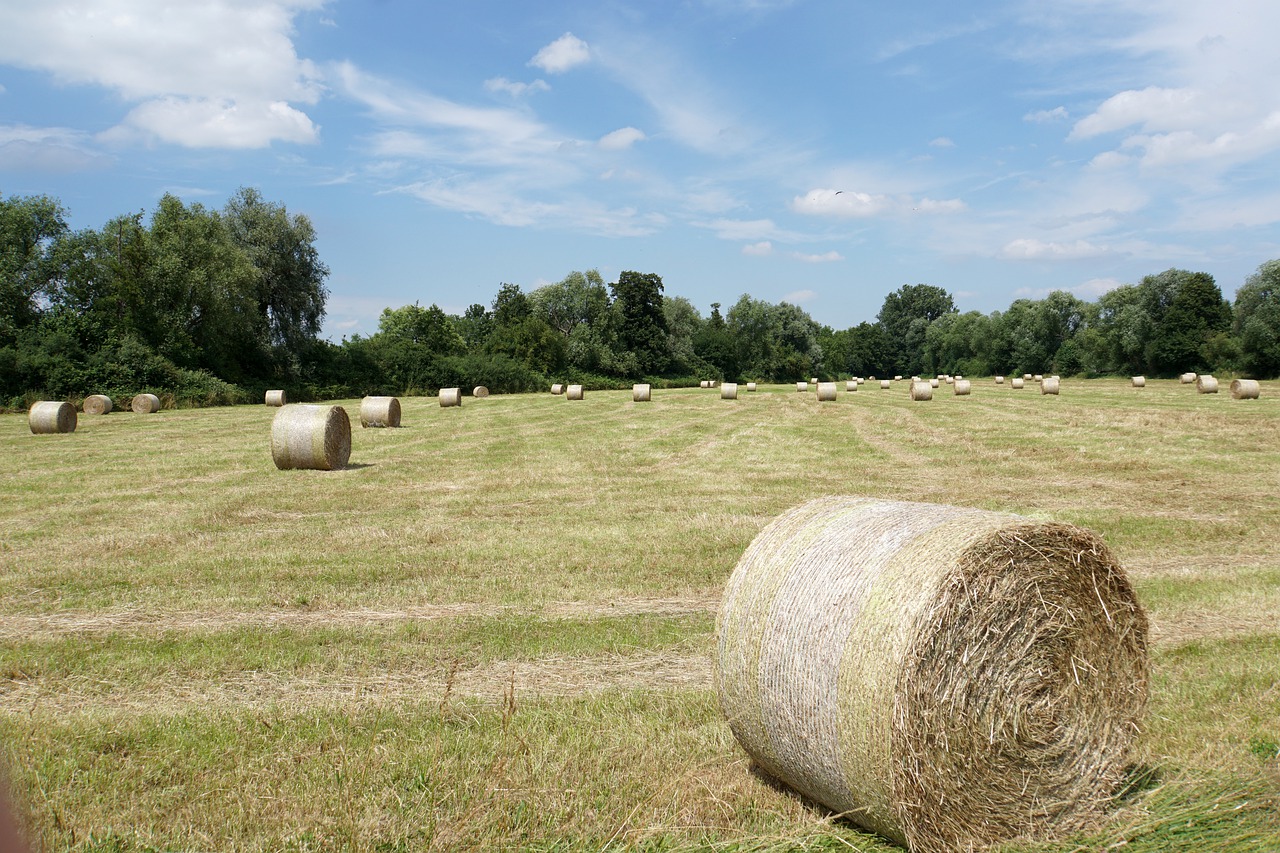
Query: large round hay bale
{"type": "Point", "coordinates": [802, 386]}
{"type": "Point", "coordinates": [729, 391]}
{"type": "Point", "coordinates": [933, 383]}
{"type": "Point", "coordinates": [479, 392]}
{"type": "Point", "coordinates": [885, 384]}
{"type": "Point", "coordinates": [1245, 389]}
{"type": "Point", "coordinates": [1139, 381]}
{"type": "Point", "coordinates": [1049, 385]}
{"type": "Point", "coordinates": [751, 386]}
{"type": "Point", "coordinates": [1017, 382]}
{"type": "Point", "coordinates": [851, 385]}
{"type": "Point", "coordinates": [97, 404]}
{"type": "Point", "coordinates": [641, 393]}
{"type": "Point", "coordinates": [145, 404]}
{"type": "Point", "coordinates": [275, 398]}
{"type": "Point", "coordinates": [52, 416]}
{"type": "Point", "coordinates": [826, 392]}
{"type": "Point", "coordinates": [313, 437]}
{"type": "Point", "coordinates": [450, 397]}
{"type": "Point", "coordinates": [962, 387]}
{"type": "Point", "coordinates": [946, 677]}
{"type": "Point", "coordinates": [574, 392]}
{"type": "Point", "coordinates": [921, 391]}
{"type": "Point", "coordinates": [380, 412]}
{"type": "Point", "coordinates": [999, 380]}
{"type": "Point", "coordinates": [557, 388]}
{"type": "Point", "coordinates": [1187, 378]}
{"type": "Point", "coordinates": [1206, 384]}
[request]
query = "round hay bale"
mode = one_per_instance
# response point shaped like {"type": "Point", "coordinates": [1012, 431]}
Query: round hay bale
{"type": "Point", "coordinates": [704, 384]}
{"type": "Point", "coordinates": [557, 388]}
{"type": "Point", "coordinates": [145, 404]}
{"type": "Point", "coordinates": [826, 392]}
{"type": "Point", "coordinates": [1038, 377]}
{"type": "Point", "coordinates": [1245, 389]}
{"type": "Point", "coordinates": [52, 416]}
{"type": "Point", "coordinates": [1026, 377]}
{"type": "Point", "coordinates": [751, 386]}
{"type": "Point", "coordinates": [1139, 381]}
{"type": "Point", "coordinates": [999, 380]}
{"type": "Point", "coordinates": [813, 381]}
{"type": "Point", "coordinates": [641, 393]}
{"type": "Point", "coordinates": [1206, 384]}
{"type": "Point", "coordinates": [317, 438]}
{"type": "Point", "coordinates": [276, 398]}
{"type": "Point", "coordinates": [1049, 385]}
{"type": "Point", "coordinates": [933, 383]}
{"type": "Point", "coordinates": [963, 387]}
{"type": "Point", "coordinates": [479, 392]}
{"type": "Point", "coordinates": [1187, 378]}
{"type": "Point", "coordinates": [950, 380]}
{"type": "Point", "coordinates": [921, 391]}
{"type": "Point", "coordinates": [1017, 383]}
{"type": "Point", "coordinates": [380, 412]}
{"type": "Point", "coordinates": [885, 384]}
{"type": "Point", "coordinates": [450, 397]}
{"type": "Point", "coordinates": [915, 378]}
{"type": "Point", "coordinates": [729, 391]}
{"type": "Point", "coordinates": [574, 392]}
{"type": "Point", "coordinates": [945, 677]}
{"type": "Point", "coordinates": [97, 404]}
{"type": "Point", "coordinates": [802, 386]}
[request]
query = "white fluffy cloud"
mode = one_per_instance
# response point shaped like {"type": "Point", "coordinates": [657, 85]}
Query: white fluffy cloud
{"type": "Point", "coordinates": [564, 53]}
{"type": "Point", "coordinates": [620, 139]}
{"type": "Point", "coordinates": [220, 74]}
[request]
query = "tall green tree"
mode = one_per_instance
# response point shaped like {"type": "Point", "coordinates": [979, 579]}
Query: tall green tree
{"type": "Point", "coordinates": [29, 228]}
{"type": "Point", "coordinates": [905, 317]}
{"type": "Point", "coordinates": [1257, 321]}
{"type": "Point", "coordinates": [642, 325]}
{"type": "Point", "coordinates": [1187, 310]}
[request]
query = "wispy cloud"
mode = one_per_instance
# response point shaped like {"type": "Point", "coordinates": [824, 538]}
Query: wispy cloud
{"type": "Point", "coordinates": [620, 139]}
{"type": "Point", "coordinates": [564, 53]}
{"type": "Point", "coordinates": [758, 250]}
{"type": "Point", "coordinates": [515, 89]}
{"type": "Point", "coordinates": [824, 258]}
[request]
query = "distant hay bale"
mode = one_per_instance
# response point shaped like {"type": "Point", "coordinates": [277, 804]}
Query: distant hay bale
{"type": "Point", "coordinates": [704, 384]}
{"type": "Point", "coordinates": [915, 378]}
{"type": "Point", "coordinates": [317, 438]}
{"type": "Point", "coordinates": [1245, 389]}
{"type": "Point", "coordinates": [751, 386]}
{"type": "Point", "coordinates": [97, 404]}
{"type": "Point", "coordinates": [921, 391]}
{"type": "Point", "coordinates": [826, 392]}
{"type": "Point", "coordinates": [999, 380]}
{"type": "Point", "coordinates": [574, 392]}
{"type": "Point", "coordinates": [1206, 384]}
{"type": "Point", "coordinates": [1038, 377]}
{"type": "Point", "coordinates": [479, 392]}
{"type": "Point", "coordinates": [1026, 377]}
{"type": "Point", "coordinates": [946, 677]}
{"type": "Point", "coordinates": [871, 379]}
{"type": "Point", "coordinates": [276, 398]}
{"type": "Point", "coordinates": [380, 412]}
{"type": "Point", "coordinates": [851, 385]}
{"type": "Point", "coordinates": [1187, 378]}
{"type": "Point", "coordinates": [1017, 383]}
{"type": "Point", "coordinates": [802, 386]}
{"type": "Point", "coordinates": [963, 387]}
{"type": "Point", "coordinates": [1139, 381]}
{"type": "Point", "coordinates": [450, 397]}
{"type": "Point", "coordinates": [48, 417]}
{"type": "Point", "coordinates": [641, 393]}
{"type": "Point", "coordinates": [933, 383]}
{"type": "Point", "coordinates": [1049, 385]}
{"type": "Point", "coordinates": [557, 388]}
{"type": "Point", "coordinates": [897, 379]}
{"type": "Point", "coordinates": [145, 404]}
{"type": "Point", "coordinates": [885, 384]}
{"type": "Point", "coordinates": [950, 380]}
{"type": "Point", "coordinates": [729, 391]}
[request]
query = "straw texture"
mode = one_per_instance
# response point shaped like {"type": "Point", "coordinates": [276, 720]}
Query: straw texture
{"type": "Point", "coordinates": [946, 677]}
{"type": "Point", "coordinates": [1245, 389]}
{"type": "Point", "coordinates": [574, 392]}
{"type": "Point", "coordinates": [921, 391]}
{"type": "Point", "coordinates": [999, 380]}
{"type": "Point", "coordinates": [826, 392]}
{"type": "Point", "coordinates": [479, 392]}
{"type": "Point", "coordinates": [1139, 382]}
{"type": "Point", "coordinates": [314, 437]}
{"type": "Point", "coordinates": [380, 412]}
{"type": "Point", "coordinates": [1206, 384]}
{"type": "Point", "coordinates": [802, 386]}
{"type": "Point", "coordinates": [641, 393]}
{"type": "Point", "coordinates": [1017, 382]}
{"type": "Point", "coordinates": [706, 383]}
{"type": "Point", "coordinates": [962, 387]}
{"type": "Point", "coordinates": [851, 385]}
{"type": "Point", "coordinates": [145, 404]}
{"type": "Point", "coordinates": [885, 384]}
{"type": "Point", "coordinates": [1049, 385]}
{"type": "Point", "coordinates": [97, 404]}
{"type": "Point", "coordinates": [751, 386]}
{"type": "Point", "coordinates": [1187, 378]}
{"type": "Point", "coordinates": [276, 398]}
{"type": "Point", "coordinates": [51, 416]}
{"type": "Point", "coordinates": [729, 391]}
{"type": "Point", "coordinates": [450, 397]}
{"type": "Point", "coordinates": [557, 388]}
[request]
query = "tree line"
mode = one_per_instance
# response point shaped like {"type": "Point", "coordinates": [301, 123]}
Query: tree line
{"type": "Point", "coordinates": [214, 306]}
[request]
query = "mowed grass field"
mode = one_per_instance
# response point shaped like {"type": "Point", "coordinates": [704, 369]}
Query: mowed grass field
{"type": "Point", "coordinates": [496, 628]}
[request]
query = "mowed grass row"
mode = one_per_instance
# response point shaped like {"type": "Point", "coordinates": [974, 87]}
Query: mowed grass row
{"type": "Point", "coordinates": [496, 628]}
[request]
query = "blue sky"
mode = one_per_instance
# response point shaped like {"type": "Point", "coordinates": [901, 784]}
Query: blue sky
{"type": "Point", "coordinates": [822, 152]}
